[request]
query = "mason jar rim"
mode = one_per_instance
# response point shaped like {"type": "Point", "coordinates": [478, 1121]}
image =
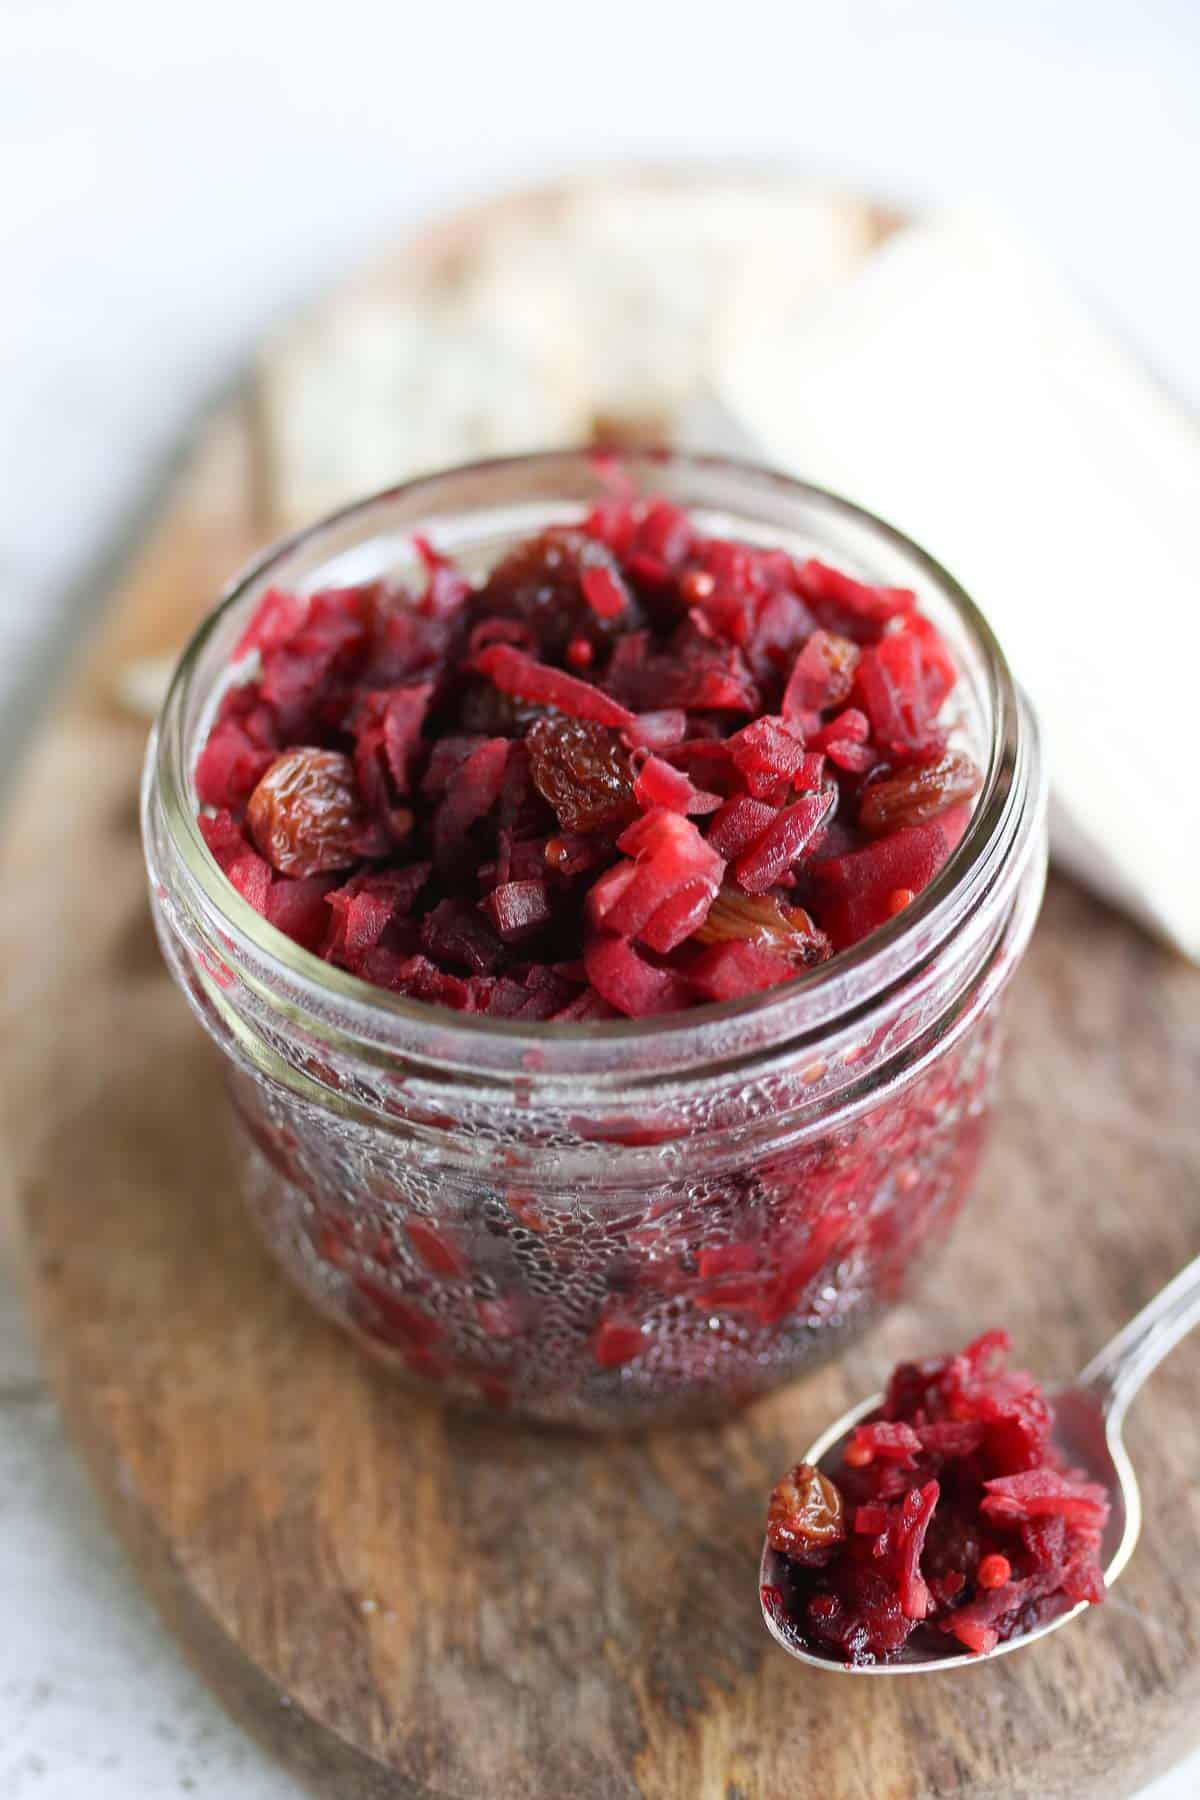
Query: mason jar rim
{"type": "Point", "coordinates": [803, 1008]}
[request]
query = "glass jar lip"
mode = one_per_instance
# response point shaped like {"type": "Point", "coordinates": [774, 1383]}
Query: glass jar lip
{"type": "Point", "coordinates": [850, 978]}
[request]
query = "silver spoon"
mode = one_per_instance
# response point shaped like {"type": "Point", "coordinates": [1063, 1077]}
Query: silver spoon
{"type": "Point", "coordinates": [1088, 1416]}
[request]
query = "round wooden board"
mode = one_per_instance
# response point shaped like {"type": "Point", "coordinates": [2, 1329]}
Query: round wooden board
{"type": "Point", "coordinates": [406, 1602]}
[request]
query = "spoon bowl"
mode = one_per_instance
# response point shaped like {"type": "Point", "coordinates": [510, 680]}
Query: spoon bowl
{"type": "Point", "coordinates": [1088, 1419]}
{"type": "Point", "coordinates": [1090, 1437]}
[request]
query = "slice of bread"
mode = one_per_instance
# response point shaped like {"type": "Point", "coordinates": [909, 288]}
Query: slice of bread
{"type": "Point", "coordinates": [584, 312]}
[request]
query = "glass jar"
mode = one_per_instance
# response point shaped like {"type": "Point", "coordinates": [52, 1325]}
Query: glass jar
{"type": "Point", "coordinates": [636, 1221]}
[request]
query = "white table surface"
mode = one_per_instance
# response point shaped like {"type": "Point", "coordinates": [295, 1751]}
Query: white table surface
{"type": "Point", "coordinates": [176, 179]}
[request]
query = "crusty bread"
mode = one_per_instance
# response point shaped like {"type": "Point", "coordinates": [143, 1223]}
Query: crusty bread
{"type": "Point", "coordinates": [586, 311]}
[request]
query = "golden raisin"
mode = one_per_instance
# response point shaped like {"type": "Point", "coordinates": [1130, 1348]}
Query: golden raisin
{"type": "Point", "coordinates": [805, 1517]}
{"type": "Point", "coordinates": [918, 794]}
{"type": "Point", "coordinates": [540, 584]}
{"type": "Point", "coordinates": [761, 919]}
{"type": "Point", "coordinates": [583, 770]}
{"type": "Point", "coordinates": [305, 815]}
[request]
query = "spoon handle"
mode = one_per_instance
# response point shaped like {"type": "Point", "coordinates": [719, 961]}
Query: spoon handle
{"type": "Point", "coordinates": [1117, 1372]}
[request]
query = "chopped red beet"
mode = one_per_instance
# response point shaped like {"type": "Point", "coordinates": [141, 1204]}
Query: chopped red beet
{"type": "Point", "coordinates": [855, 891]}
{"type": "Point", "coordinates": [515, 673]}
{"type": "Point", "coordinates": [518, 908]}
{"type": "Point", "coordinates": [598, 782]}
{"type": "Point", "coordinates": [855, 608]}
{"type": "Point", "coordinates": [821, 677]}
{"type": "Point", "coordinates": [729, 971]}
{"type": "Point", "coordinates": [740, 822]}
{"type": "Point", "coordinates": [904, 680]}
{"type": "Point", "coordinates": [965, 1521]}
{"type": "Point", "coordinates": [615, 1342]}
{"type": "Point", "coordinates": [300, 909]}
{"type": "Point", "coordinates": [658, 784]}
{"type": "Point", "coordinates": [769, 859]}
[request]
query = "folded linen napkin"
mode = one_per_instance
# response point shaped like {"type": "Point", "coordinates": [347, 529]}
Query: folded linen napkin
{"type": "Point", "coordinates": [954, 387]}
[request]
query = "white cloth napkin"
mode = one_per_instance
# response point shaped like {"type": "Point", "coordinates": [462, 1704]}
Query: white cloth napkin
{"type": "Point", "coordinates": [956, 388]}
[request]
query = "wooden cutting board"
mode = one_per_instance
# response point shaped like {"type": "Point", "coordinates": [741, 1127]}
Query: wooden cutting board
{"type": "Point", "coordinates": [405, 1602]}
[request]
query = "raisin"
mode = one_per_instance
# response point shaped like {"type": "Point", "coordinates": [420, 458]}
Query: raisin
{"type": "Point", "coordinates": [804, 1517]}
{"type": "Point", "coordinates": [917, 795]}
{"type": "Point", "coordinates": [485, 711]}
{"type": "Point", "coordinates": [305, 815]}
{"type": "Point", "coordinates": [763, 920]}
{"type": "Point", "coordinates": [583, 770]}
{"type": "Point", "coordinates": [566, 587]}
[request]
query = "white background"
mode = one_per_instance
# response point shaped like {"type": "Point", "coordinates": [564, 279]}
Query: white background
{"type": "Point", "coordinates": [174, 179]}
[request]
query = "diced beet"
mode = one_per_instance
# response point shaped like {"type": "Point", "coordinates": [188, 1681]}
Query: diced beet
{"type": "Point", "coordinates": [604, 592]}
{"type": "Point", "coordinates": [821, 677]}
{"type": "Point", "coordinates": [241, 864]}
{"type": "Point", "coordinates": [856, 888]}
{"type": "Point", "coordinates": [455, 933]}
{"type": "Point", "coordinates": [231, 765]}
{"type": "Point", "coordinates": [951, 1437]}
{"type": "Point", "coordinates": [628, 982]}
{"type": "Point", "coordinates": [658, 784]}
{"type": "Point", "coordinates": [518, 909]}
{"type": "Point", "coordinates": [404, 712]}
{"type": "Point", "coordinates": [429, 788]}
{"type": "Point", "coordinates": [903, 681]}
{"type": "Point", "coordinates": [517, 674]}
{"type": "Point", "coordinates": [915, 1515]}
{"type": "Point", "coordinates": [958, 1528]}
{"type": "Point", "coordinates": [679, 915]}
{"type": "Point", "coordinates": [894, 1440]}
{"type": "Point", "coordinates": [470, 796]}
{"type": "Point", "coordinates": [856, 608]}
{"type": "Point", "coordinates": [435, 1247]}
{"type": "Point", "coordinates": [730, 971]}
{"type": "Point", "coordinates": [363, 917]}
{"type": "Point", "coordinates": [277, 618]}
{"type": "Point", "coordinates": [614, 523]}
{"type": "Point", "coordinates": [251, 876]}
{"type": "Point", "coordinates": [670, 856]}
{"type": "Point", "coordinates": [588, 1008]}
{"type": "Point", "coordinates": [446, 759]}
{"type": "Point", "coordinates": [616, 1342]}
{"type": "Point", "coordinates": [691, 672]}
{"type": "Point", "coordinates": [844, 741]}
{"type": "Point", "coordinates": [665, 533]}
{"type": "Point", "coordinates": [659, 730]}
{"type": "Point", "coordinates": [445, 588]}
{"type": "Point", "coordinates": [223, 835]}
{"type": "Point", "coordinates": [738, 824]}
{"type": "Point", "coordinates": [300, 908]}
{"type": "Point", "coordinates": [770, 757]}
{"type": "Point", "coordinates": [1037, 1493]}
{"type": "Point", "coordinates": [317, 659]}
{"type": "Point", "coordinates": [783, 842]}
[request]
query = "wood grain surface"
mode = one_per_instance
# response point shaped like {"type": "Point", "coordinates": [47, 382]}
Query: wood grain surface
{"type": "Point", "coordinates": [412, 1603]}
